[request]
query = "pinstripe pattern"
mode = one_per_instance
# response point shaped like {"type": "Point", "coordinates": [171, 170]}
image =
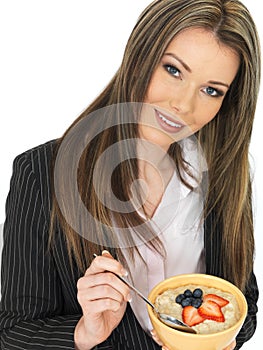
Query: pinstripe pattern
{"type": "Point", "coordinates": [39, 309]}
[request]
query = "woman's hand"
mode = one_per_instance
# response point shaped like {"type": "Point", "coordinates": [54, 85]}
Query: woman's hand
{"type": "Point", "coordinates": [158, 341]}
{"type": "Point", "coordinates": [231, 346]}
{"type": "Point", "coordinates": [103, 299]}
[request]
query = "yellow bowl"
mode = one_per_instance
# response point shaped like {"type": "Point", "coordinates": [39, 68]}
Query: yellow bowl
{"type": "Point", "coordinates": [177, 340]}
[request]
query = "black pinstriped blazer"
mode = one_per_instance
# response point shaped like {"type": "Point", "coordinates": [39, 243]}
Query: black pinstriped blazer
{"type": "Point", "coordinates": [39, 308]}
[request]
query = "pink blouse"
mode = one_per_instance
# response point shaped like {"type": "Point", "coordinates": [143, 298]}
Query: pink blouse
{"type": "Point", "coordinates": [179, 218]}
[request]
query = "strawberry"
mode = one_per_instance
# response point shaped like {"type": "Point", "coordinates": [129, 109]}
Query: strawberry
{"type": "Point", "coordinates": [216, 298]}
{"type": "Point", "coordinates": [191, 316]}
{"type": "Point", "coordinates": [211, 311]}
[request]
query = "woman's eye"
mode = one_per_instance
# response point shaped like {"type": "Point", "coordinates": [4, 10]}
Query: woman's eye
{"type": "Point", "coordinates": [172, 70]}
{"type": "Point", "coordinates": [213, 92]}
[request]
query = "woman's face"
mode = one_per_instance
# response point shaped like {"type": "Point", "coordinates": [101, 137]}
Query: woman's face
{"type": "Point", "coordinates": [187, 88]}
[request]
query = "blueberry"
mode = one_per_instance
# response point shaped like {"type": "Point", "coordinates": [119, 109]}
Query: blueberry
{"type": "Point", "coordinates": [196, 302]}
{"type": "Point", "coordinates": [198, 293]}
{"type": "Point", "coordinates": [179, 298]}
{"type": "Point", "coordinates": [188, 293]}
{"type": "Point", "coordinates": [186, 302]}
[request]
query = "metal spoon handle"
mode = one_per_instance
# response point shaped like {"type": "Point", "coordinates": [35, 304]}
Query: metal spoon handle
{"type": "Point", "coordinates": [132, 287]}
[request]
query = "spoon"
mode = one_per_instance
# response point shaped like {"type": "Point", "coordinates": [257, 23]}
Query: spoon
{"type": "Point", "coordinates": [167, 319]}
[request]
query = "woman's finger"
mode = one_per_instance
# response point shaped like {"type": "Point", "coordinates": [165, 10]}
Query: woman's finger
{"type": "Point", "coordinates": [156, 338]}
{"type": "Point", "coordinates": [105, 262]}
{"type": "Point", "coordinates": [104, 280]}
{"type": "Point", "coordinates": [101, 305]}
{"type": "Point", "coordinates": [101, 292]}
{"type": "Point", "coordinates": [231, 346]}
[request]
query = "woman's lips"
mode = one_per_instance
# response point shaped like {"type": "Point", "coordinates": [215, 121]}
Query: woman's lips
{"type": "Point", "coordinates": [167, 124]}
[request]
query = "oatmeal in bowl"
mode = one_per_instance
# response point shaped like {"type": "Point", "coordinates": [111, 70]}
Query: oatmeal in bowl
{"type": "Point", "coordinates": [214, 307]}
{"type": "Point", "coordinates": [206, 310]}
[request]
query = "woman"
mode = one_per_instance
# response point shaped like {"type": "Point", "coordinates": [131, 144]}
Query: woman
{"type": "Point", "coordinates": [188, 82]}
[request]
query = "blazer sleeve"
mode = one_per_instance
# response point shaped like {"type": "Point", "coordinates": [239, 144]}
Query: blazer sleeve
{"type": "Point", "coordinates": [213, 240]}
{"type": "Point", "coordinates": [39, 308]}
{"type": "Point", "coordinates": [250, 324]}
{"type": "Point", "coordinates": [31, 308]}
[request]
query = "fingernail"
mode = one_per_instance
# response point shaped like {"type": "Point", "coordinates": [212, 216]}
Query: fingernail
{"type": "Point", "coordinates": [105, 252]}
{"type": "Point", "coordinates": [129, 298]}
{"type": "Point", "coordinates": [124, 272]}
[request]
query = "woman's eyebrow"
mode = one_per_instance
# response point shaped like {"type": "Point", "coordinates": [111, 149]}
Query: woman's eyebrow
{"type": "Point", "coordinates": [179, 60]}
{"type": "Point", "coordinates": [190, 71]}
{"type": "Point", "coordinates": [218, 83]}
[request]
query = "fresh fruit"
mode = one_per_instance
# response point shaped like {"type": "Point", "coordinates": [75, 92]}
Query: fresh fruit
{"type": "Point", "coordinates": [211, 311]}
{"type": "Point", "coordinates": [190, 298]}
{"type": "Point", "coordinates": [188, 293]}
{"type": "Point", "coordinates": [179, 298]}
{"type": "Point", "coordinates": [198, 307]}
{"type": "Point", "coordinates": [217, 299]}
{"type": "Point", "coordinates": [191, 316]}
{"type": "Point", "coordinates": [186, 302]}
{"type": "Point", "coordinates": [197, 293]}
{"type": "Point", "coordinates": [196, 302]}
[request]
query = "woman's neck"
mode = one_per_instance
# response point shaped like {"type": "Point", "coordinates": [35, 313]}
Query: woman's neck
{"type": "Point", "coordinates": [155, 170]}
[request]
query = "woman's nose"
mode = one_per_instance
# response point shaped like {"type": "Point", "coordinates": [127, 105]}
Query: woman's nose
{"type": "Point", "coordinates": [183, 100]}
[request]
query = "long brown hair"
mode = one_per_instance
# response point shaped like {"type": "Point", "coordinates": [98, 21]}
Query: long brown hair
{"type": "Point", "coordinates": [225, 140]}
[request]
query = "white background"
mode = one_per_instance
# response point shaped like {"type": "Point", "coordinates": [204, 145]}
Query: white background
{"type": "Point", "coordinates": [56, 56]}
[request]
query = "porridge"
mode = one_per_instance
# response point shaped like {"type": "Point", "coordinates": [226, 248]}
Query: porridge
{"type": "Point", "coordinates": [207, 310]}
